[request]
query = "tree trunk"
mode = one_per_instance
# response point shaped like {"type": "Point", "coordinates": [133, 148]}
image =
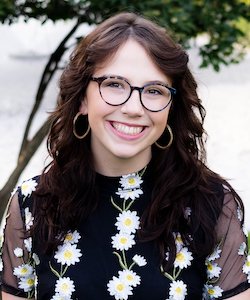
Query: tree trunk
{"type": "Point", "coordinates": [29, 147]}
{"type": "Point", "coordinates": [24, 159]}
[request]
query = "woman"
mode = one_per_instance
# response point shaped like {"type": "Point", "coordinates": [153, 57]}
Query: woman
{"type": "Point", "coordinates": [127, 209]}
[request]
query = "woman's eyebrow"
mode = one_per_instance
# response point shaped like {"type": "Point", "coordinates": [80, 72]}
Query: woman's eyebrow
{"type": "Point", "coordinates": [129, 81]}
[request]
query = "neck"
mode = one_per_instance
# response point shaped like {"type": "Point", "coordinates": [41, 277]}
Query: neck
{"type": "Point", "coordinates": [120, 166]}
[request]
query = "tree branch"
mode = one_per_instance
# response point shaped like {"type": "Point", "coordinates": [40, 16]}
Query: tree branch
{"type": "Point", "coordinates": [47, 75]}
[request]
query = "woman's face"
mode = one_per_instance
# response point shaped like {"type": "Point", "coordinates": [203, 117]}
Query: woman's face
{"type": "Point", "coordinates": [121, 136]}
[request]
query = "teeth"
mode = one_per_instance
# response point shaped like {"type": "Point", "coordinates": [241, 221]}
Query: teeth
{"type": "Point", "coordinates": [127, 129]}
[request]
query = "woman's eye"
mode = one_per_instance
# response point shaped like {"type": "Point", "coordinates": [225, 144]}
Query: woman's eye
{"type": "Point", "coordinates": [114, 84]}
{"type": "Point", "coordinates": [154, 91]}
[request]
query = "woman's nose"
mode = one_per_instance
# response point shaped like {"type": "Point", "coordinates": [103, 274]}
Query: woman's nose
{"type": "Point", "coordinates": [133, 105]}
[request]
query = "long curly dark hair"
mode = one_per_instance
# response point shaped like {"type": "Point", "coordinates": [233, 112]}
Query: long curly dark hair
{"type": "Point", "coordinates": [67, 194]}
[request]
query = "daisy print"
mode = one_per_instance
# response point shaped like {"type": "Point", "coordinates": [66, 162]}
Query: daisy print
{"type": "Point", "coordinates": [26, 276]}
{"type": "Point", "coordinates": [129, 277]}
{"type": "Point", "coordinates": [183, 258]}
{"type": "Point", "coordinates": [139, 260]}
{"type": "Point", "coordinates": [119, 289]}
{"type": "Point", "coordinates": [28, 244]}
{"type": "Point", "coordinates": [24, 270]}
{"type": "Point", "coordinates": [127, 223]}
{"type": "Point", "coordinates": [66, 255]}
{"type": "Point", "coordinates": [123, 241]}
{"type": "Point", "coordinates": [130, 181]}
{"type": "Point", "coordinates": [242, 248]}
{"type": "Point", "coordinates": [28, 218]}
{"type": "Point", "coordinates": [27, 283]}
{"type": "Point", "coordinates": [18, 252]}
{"type": "Point", "coordinates": [213, 291]}
{"type": "Point", "coordinates": [28, 187]}
{"type": "Point", "coordinates": [178, 241]}
{"type": "Point", "coordinates": [215, 254]}
{"type": "Point", "coordinates": [213, 270]}
{"type": "Point", "coordinates": [65, 287]}
{"type": "Point", "coordinates": [246, 267]}
{"type": "Point", "coordinates": [129, 194]}
{"type": "Point", "coordinates": [178, 290]}
{"type": "Point", "coordinates": [72, 237]}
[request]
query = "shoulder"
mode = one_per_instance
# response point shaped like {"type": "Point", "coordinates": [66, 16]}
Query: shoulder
{"type": "Point", "coordinates": [24, 193]}
{"type": "Point", "coordinates": [231, 217]}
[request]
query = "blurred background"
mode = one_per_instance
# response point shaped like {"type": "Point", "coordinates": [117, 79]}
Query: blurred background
{"type": "Point", "coordinates": [37, 36]}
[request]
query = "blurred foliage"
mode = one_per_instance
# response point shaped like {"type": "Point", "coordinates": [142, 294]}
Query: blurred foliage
{"type": "Point", "coordinates": [244, 26]}
{"type": "Point", "coordinates": [219, 21]}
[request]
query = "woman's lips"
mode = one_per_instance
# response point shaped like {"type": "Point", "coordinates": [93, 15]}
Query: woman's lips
{"type": "Point", "coordinates": [127, 129]}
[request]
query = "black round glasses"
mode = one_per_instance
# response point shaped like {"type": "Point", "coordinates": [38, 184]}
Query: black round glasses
{"type": "Point", "coordinates": [116, 90]}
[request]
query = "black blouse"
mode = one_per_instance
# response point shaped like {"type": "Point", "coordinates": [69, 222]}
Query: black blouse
{"type": "Point", "coordinates": [103, 258]}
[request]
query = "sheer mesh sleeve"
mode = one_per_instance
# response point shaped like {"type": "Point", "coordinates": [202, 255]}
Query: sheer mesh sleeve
{"type": "Point", "coordinates": [17, 269]}
{"type": "Point", "coordinates": [228, 267]}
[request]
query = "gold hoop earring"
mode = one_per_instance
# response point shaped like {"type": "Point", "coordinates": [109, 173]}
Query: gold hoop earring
{"type": "Point", "coordinates": [76, 119]}
{"type": "Point", "coordinates": [171, 137]}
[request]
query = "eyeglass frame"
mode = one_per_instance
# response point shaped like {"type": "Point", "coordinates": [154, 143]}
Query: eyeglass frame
{"type": "Point", "coordinates": [100, 80]}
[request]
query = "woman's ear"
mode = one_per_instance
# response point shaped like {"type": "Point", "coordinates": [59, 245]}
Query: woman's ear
{"type": "Point", "coordinates": [84, 106]}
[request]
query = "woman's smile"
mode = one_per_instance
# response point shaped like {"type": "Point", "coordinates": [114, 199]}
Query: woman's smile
{"type": "Point", "coordinates": [127, 129]}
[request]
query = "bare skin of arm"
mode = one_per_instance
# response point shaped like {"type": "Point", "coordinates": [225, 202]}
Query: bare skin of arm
{"type": "Point", "coordinates": [11, 297]}
{"type": "Point", "coordinates": [242, 296]}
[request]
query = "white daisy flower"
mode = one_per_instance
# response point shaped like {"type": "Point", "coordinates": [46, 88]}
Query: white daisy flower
{"type": "Point", "coordinates": [183, 258]}
{"type": "Point", "coordinates": [67, 254]}
{"type": "Point", "coordinates": [28, 187]}
{"type": "Point", "coordinates": [65, 287]}
{"type": "Point", "coordinates": [123, 241]}
{"type": "Point", "coordinates": [128, 222]}
{"type": "Point", "coordinates": [242, 248]}
{"type": "Point", "coordinates": [245, 230]}
{"type": "Point", "coordinates": [178, 241]}
{"type": "Point", "coordinates": [129, 194]}
{"type": "Point", "coordinates": [27, 283]}
{"type": "Point", "coordinates": [130, 181]}
{"type": "Point", "coordinates": [178, 290]}
{"type": "Point", "coordinates": [246, 267]}
{"type": "Point", "coordinates": [36, 258]}
{"type": "Point", "coordinates": [248, 277]}
{"type": "Point", "coordinates": [119, 289]}
{"type": "Point", "coordinates": [25, 270]}
{"type": "Point", "coordinates": [28, 244]}
{"type": "Point", "coordinates": [213, 270]}
{"type": "Point", "coordinates": [239, 214]}
{"type": "Point", "coordinates": [28, 218]}
{"type": "Point", "coordinates": [215, 254]}
{"type": "Point", "coordinates": [213, 291]}
{"type": "Point", "coordinates": [18, 252]}
{"type": "Point", "coordinates": [130, 277]}
{"type": "Point", "coordinates": [72, 237]}
{"type": "Point", "coordinates": [139, 260]}
{"type": "Point", "coordinates": [1, 264]}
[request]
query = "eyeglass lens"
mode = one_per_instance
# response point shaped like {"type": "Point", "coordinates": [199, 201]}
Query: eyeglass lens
{"type": "Point", "coordinates": [116, 91]}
